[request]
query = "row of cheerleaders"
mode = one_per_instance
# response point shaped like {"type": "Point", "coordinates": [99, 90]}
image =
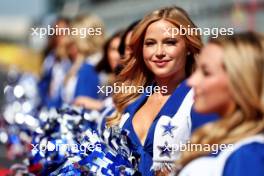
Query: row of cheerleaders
{"type": "Point", "coordinates": [141, 133]}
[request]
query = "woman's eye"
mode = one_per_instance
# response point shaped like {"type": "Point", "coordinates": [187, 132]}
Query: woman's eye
{"type": "Point", "coordinates": [206, 73]}
{"type": "Point", "coordinates": [149, 43]}
{"type": "Point", "coordinates": [171, 42]}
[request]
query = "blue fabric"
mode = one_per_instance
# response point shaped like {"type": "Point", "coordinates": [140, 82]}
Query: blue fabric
{"type": "Point", "coordinates": [199, 120]}
{"type": "Point", "coordinates": [103, 124]}
{"type": "Point", "coordinates": [46, 79]}
{"type": "Point", "coordinates": [55, 102]}
{"type": "Point", "coordinates": [169, 109]}
{"type": "Point", "coordinates": [43, 86]}
{"type": "Point", "coordinates": [87, 82]}
{"type": "Point", "coordinates": [246, 161]}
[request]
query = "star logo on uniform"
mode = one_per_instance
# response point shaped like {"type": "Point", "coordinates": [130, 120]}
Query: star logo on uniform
{"type": "Point", "coordinates": [168, 129]}
{"type": "Point", "coordinates": [165, 150]}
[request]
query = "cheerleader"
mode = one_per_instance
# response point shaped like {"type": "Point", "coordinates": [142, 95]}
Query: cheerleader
{"type": "Point", "coordinates": [82, 79]}
{"type": "Point", "coordinates": [54, 68]}
{"type": "Point", "coordinates": [106, 70]}
{"type": "Point", "coordinates": [157, 120]}
{"type": "Point", "coordinates": [229, 81]}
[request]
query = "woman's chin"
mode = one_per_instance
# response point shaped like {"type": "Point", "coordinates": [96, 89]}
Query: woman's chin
{"type": "Point", "coordinates": [201, 108]}
{"type": "Point", "coordinates": [162, 74]}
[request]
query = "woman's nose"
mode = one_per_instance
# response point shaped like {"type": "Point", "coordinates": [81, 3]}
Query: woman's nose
{"type": "Point", "coordinates": [160, 53]}
{"type": "Point", "coordinates": [192, 81]}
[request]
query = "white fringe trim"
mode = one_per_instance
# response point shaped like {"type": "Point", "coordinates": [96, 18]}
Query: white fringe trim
{"type": "Point", "coordinates": [166, 166]}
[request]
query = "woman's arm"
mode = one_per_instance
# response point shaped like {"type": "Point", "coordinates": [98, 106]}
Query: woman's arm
{"type": "Point", "coordinates": [88, 103]}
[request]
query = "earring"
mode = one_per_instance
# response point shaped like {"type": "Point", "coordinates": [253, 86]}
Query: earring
{"type": "Point", "coordinates": [188, 53]}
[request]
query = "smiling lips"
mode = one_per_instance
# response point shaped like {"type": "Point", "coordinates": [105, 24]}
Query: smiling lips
{"type": "Point", "coordinates": [161, 63]}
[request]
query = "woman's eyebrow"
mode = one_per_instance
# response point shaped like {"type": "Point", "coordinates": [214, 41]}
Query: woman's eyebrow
{"type": "Point", "coordinates": [149, 38]}
{"type": "Point", "coordinates": [169, 38]}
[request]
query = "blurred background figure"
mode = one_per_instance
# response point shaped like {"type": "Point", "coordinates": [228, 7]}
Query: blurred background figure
{"type": "Point", "coordinates": [110, 60]}
{"type": "Point", "coordinates": [82, 79]}
{"type": "Point", "coordinates": [54, 68]}
{"type": "Point", "coordinates": [124, 47]}
{"type": "Point", "coordinates": [106, 69]}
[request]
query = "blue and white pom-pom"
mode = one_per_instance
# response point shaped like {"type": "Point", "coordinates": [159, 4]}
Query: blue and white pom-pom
{"type": "Point", "coordinates": [111, 158]}
{"type": "Point", "coordinates": [68, 143]}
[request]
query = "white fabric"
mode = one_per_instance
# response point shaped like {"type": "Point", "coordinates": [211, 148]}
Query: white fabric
{"type": "Point", "coordinates": [58, 75]}
{"type": "Point", "coordinates": [94, 59]}
{"type": "Point", "coordinates": [182, 121]}
{"type": "Point", "coordinates": [214, 166]}
{"type": "Point", "coordinates": [69, 90]}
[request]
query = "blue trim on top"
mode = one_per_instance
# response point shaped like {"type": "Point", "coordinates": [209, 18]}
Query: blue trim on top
{"type": "Point", "coordinates": [170, 108]}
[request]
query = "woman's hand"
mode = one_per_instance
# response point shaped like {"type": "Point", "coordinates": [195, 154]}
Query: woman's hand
{"type": "Point", "coordinates": [163, 172]}
{"type": "Point", "coordinates": [88, 103]}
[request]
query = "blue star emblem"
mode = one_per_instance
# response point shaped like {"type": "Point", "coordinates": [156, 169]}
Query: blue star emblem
{"type": "Point", "coordinates": [168, 129]}
{"type": "Point", "coordinates": [165, 150]}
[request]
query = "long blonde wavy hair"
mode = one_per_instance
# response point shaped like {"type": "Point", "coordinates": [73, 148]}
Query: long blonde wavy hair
{"type": "Point", "coordinates": [243, 61]}
{"type": "Point", "coordinates": [87, 45]}
{"type": "Point", "coordinates": [134, 72]}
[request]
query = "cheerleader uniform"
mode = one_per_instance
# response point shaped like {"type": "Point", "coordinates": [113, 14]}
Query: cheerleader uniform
{"type": "Point", "coordinates": [244, 158]}
{"type": "Point", "coordinates": [84, 83]}
{"type": "Point", "coordinates": [51, 81]}
{"type": "Point", "coordinates": [172, 126]}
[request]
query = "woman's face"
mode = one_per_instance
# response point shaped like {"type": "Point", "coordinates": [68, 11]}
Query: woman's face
{"type": "Point", "coordinates": [211, 83]}
{"type": "Point", "coordinates": [72, 50]}
{"type": "Point", "coordinates": [128, 49]}
{"type": "Point", "coordinates": [112, 53]}
{"type": "Point", "coordinates": [164, 54]}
